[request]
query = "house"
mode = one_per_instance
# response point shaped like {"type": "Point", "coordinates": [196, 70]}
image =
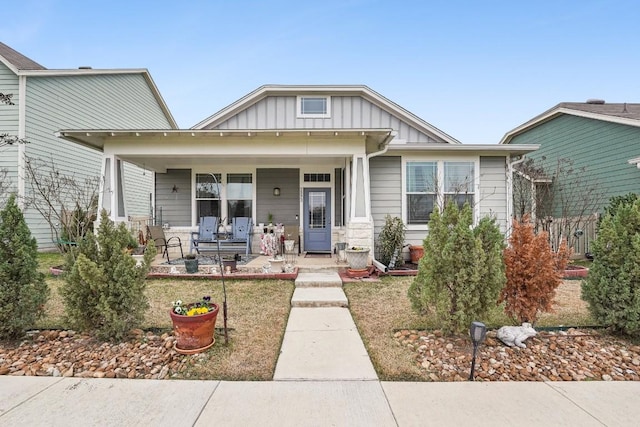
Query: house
{"type": "Point", "coordinates": [328, 161]}
{"type": "Point", "coordinates": [45, 101]}
{"type": "Point", "coordinates": [589, 151]}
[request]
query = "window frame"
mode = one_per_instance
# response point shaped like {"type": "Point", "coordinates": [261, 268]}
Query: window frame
{"type": "Point", "coordinates": [223, 174]}
{"type": "Point", "coordinates": [301, 115]}
{"type": "Point", "coordinates": [440, 193]}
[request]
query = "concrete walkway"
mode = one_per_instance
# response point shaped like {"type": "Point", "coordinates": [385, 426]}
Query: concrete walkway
{"type": "Point", "coordinates": [323, 377]}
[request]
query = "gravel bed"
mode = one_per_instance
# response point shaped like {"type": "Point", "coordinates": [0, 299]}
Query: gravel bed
{"type": "Point", "coordinates": [572, 355]}
{"type": "Point", "coordinates": [70, 354]}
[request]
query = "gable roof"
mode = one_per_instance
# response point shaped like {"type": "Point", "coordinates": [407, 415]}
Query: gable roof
{"type": "Point", "coordinates": [621, 113]}
{"type": "Point", "coordinates": [23, 66]}
{"type": "Point", "coordinates": [17, 61]}
{"type": "Point", "coordinates": [342, 90]}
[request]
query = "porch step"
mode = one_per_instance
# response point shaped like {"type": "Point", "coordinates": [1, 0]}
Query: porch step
{"type": "Point", "coordinates": [319, 297]}
{"type": "Point", "coordinates": [318, 279]}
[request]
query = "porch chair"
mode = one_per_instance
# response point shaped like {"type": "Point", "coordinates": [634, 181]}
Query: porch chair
{"type": "Point", "coordinates": [242, 229]}
{"type": "Point", "coordinates": [207, 233]}
{"type": "Point", "coordinates": [156, 233]}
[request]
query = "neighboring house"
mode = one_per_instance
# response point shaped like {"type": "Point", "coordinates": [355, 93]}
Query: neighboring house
{"type": "Point", "coordinates": [332, 161]}
{"type": "Point", "coordinates": [48, 100]}
{"type": "Point", "coordinates": [598, 140]}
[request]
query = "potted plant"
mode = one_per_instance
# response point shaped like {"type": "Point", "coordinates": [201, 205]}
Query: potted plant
{"type": "Point", "coordinates": [191, 263]}
{"type": "Point", "coordinates": [357, 257]}
{"type": "Point", "coordinates": [194, 325]}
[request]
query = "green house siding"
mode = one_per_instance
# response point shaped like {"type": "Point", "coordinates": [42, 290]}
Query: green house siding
{"type": "Point", "coordinates": [9, 122]}
{"type": "Point", "coordinates": [602, 148]}
{"type": "Point", "coordinates": [111, 101]}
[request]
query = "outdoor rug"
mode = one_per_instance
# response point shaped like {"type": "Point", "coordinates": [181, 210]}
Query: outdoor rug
{"type": "Point", "coordinates": [317, 255]}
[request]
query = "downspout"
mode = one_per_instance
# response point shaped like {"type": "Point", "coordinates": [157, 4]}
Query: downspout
{"type": "Point", "coordinates": [377, 264]}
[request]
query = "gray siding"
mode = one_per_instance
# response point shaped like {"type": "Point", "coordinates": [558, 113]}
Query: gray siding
{"type": "Point", "coordinates": [173, 208]}
{"type": "Point", "coordinates": [601, 148]}
{"type": "Point", "coordinates": [493, 190]}
{"type": "Point", "coordinates": [138, 190]}
{"type": "Point", "coordinates": [386, 189]}
{"type": "Point", "coordinates": [284, 207]}
{"type": "Point", "coordinates": [347, 112]}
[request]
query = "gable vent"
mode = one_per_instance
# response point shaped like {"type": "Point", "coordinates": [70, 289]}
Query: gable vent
{"type": "Point", "coordinates": [595, 101]}
{"type": "Point", "coordinates": [85, 67]}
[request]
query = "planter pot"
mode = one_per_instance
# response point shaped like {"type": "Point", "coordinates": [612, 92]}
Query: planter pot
{"type": "Point", "coordinates": [191, 265]}
{"type": "Point", "coordinates": [231, 263]}
{"type": "Point", "coordinates": [575, 272]}
{"type": "Point", "coordinates": [416, 252]}
{"type": "Point", "coordinates": [194, 334]}
{"type": "Point", "coordinates": [358, 259]}
{"type": "Point", "coordinates": [277, 265]}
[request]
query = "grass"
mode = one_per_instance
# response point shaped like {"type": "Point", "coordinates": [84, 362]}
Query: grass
{"type": "Point", "coordinates": [257, 317]}
{"type": "Point", "coordinates": [258, 312]}
{"type": "Point", "coordinates": [380, 309]}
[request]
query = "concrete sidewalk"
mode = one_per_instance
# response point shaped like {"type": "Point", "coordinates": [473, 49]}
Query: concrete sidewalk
{"type": "Point", "coordinates": [47, 401]}
{"type": "Point", "coordinates": [323, 377]}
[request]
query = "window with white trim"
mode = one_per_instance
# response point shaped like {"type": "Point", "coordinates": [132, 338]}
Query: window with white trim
{"type": "Point", "coordinates": [208, 195]}
{"type": "Point", "coordinates": [421, 191]}
{"type": "Point", "coordinates": [239, 195]}
{"type": "Point", "coordinates": [459, 182]}
{"type": "Point", "coordinates": [314, 106]}
{"type": "Point", "coordinates": [428, 183]}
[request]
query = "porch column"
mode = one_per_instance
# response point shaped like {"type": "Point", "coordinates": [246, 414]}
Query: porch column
{"type": "Point", "coordinates": [360, 226]}
{"type": "Point", "coordinates": [111, 197]}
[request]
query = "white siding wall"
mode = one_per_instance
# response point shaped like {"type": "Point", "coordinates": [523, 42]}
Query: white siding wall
{"type": "Point", "coordinates": [347, 112]}
{"type": "Point", "coordinates": [493, 189]}
{"type": "Point", "coordinates": [93, 102]}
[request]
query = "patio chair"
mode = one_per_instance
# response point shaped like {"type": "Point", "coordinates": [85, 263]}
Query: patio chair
{"type": "Point", "coordinates": [241, 229]}
{"type": "Point", "coordinates": [207, 233]}
{"type": "Point", "coordinates": [156, 233]}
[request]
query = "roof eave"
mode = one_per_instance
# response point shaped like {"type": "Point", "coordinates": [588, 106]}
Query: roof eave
{"type": "Point", "coordinates": [557, 111]}
{"type": "Point", "coordinates": [488, 149]}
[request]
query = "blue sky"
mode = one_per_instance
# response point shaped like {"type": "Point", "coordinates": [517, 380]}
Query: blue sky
{"type": "Point", "coordinates": [473, 69]}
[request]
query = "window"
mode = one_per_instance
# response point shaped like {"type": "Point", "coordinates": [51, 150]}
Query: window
{"type": "Point", "coordinates": [314, 106]}
{"type": "Point", "coordinates": [428, 183]}
{"type": "Point", "coordinates": [459, 182]}
{"type": "Point", "coordinates": [208, 195]}
{"type": "Point", "coordinates": [421, 191]}
{"type": "Point", "coordinates": [239, 194]}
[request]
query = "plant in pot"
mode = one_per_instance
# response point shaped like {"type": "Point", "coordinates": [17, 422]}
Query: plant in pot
{"type": "Point", "coordinates": [194, 325]}
{"type": "Point", "coordinates": [357, 257]}
{"type": "Point", "coordinates": [390, 242]}
{"type": "Point", "coordinates": [191, 263]}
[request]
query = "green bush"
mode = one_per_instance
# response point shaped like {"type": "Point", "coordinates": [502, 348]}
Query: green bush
{"type": "Point", "coordinates": [390, 241]}
{"type": "Point", "coordinates": [23, 290]}
{"type": "Point", "coordinates": [104, 290]}
{"type": "Point", "coordinates": [612, 288]}
{"type": "Point", "coordinates": [462, 271]}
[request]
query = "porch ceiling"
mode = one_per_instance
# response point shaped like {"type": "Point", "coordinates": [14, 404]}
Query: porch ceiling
{"type": "Point", "coordinates": [159, 150]}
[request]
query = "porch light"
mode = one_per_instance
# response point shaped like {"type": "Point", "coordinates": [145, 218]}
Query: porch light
{"type": "Point", "coordinates": [478, 331]}
{"type": "Point", "coordinates": [276, 191]}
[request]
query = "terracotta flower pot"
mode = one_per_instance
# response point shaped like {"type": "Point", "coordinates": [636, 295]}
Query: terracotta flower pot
{"type": "Point", "coordinates": [194, 334]}
{"type": "Point", "coordinates": [416, 253]}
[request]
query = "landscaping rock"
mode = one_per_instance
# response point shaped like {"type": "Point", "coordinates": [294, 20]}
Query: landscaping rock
{"type": "Point", "coordinates": [69, 354]}
{"type": "Point", "coordinates": [573, 355]}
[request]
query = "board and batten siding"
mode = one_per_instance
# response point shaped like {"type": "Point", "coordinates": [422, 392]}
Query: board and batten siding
{"type": "Point", "coordinates": [601, 148]}
{"type": "Point", "coordinates": [88, 102]}
{"type": "Point", "coordinates": [347, 112]}
{"type": "Point", "coordinates": [493, 190]}
{"type": "Point", "coordinates": [173, 208]}
{"type": "Point", "coordinates": [284, 207]}
{"type": "Point", "coordinates": [9, 123]}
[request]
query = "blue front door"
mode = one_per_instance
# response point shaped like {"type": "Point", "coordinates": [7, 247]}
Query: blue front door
{"type": "Point", "coordinates": [317, 219]}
